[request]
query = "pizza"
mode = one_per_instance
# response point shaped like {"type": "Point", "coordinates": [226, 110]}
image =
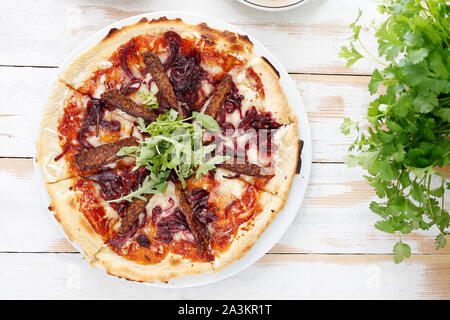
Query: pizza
{"type": "Point", "coordinates": [167, 149]}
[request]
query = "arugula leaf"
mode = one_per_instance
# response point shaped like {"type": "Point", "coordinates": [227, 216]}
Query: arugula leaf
{"type": "Point", "coordinates": [149, 100]}
{"type": "Point", "coordinates": [152, 184]}
{"type": "Point", "coordinates": [203, 168]}
{"type": "Point", "coordinates": [173, 143]}
{"type": "Point", "coordinates": [206, 121]}
{"type": "Point", "coordinates": [408, 133]}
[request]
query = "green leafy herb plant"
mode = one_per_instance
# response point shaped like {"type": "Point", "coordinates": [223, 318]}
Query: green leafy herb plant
{"type": "Point", "coordinates": [404, 141]}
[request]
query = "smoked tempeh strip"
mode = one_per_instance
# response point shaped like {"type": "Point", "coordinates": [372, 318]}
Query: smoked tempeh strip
{"type": "Point", "coordinates": [199, 230]}
{"type": "Point", "coordinates": [247, 168]}
{"type": "Point", "coordinates": [122, 102]}
{"type": "Point", "coordinates": [217, 101]}
{"type": "Point", "coordinates": [158, 73]}
{"type": "Point", "coordinates": [132, 215]}
{"type": "Point", "coordinates": [97, 157]}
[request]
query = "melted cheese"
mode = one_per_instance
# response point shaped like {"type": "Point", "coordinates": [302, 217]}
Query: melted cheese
{"type": "Point", "coordinates": [100, 88]}
{"type": "Point", "coordinates": [183, 235]}
{"type": "Point", "coordinates": [110, 212]}
{"type": "Point", "coordinates": [126, 128]}
{"type": "Point", "coordinates": [137, 96]}
{"type": "Point", "coordinates": [104, 64]}
{"type": "Point", "coordinates": [207, 87]}
{"type": "Point", "coordinates": [231, 188]}
{"type": "Point", "coordinates": [162, 200]}
{"type": "Point", "coordinates": [256, 157]}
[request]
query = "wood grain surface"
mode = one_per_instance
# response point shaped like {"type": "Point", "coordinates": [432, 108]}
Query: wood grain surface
{"type": "Point", "coordinates": [331, 250]}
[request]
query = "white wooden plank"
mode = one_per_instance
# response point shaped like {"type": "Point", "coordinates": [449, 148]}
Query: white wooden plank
{"type": "Point", "coordinates": [333, 219]}
{"type": "Point", "coordinates": [327, 99]}
{"type": "Point", "coordinates": [23, 97]}
{"type": "Point", "coordinates": [306, 39]}
{"type": "Point", "coordinates": [66, 276]}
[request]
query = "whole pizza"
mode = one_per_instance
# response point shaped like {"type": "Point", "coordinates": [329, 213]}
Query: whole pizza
{"type": "Point", "coordinates": [167, 149]}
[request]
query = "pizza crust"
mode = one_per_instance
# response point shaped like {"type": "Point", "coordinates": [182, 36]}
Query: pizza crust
{"type": "Point", "coordinates": [221, 39]}
{"type": "Point", "coordinates": [251, 231]}
{"type": "Point", "coordinates": [94, 58]}
{"type": "Point", "coordinates": [285, 161]}
{"type": "Point", "coordinates": [275, 100]}
{"type": "Point", "coordinates": [173, 266]}
{"type": "Point", "coordinates": [47, 145]}
{"type": "Point", "coordinates": [67, 213]}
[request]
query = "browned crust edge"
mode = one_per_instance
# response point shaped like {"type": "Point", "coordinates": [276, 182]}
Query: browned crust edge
{"type": "Point", "coordinates": [67, 212]}
{"type": "Point", "coordinates": [299, 157]}
{"type": "Point", "coordinates": [250, 233]}
{"type": "Point", "coordinates": [271, 65]}
{"type": "Point", "coordinates": [81, 68]}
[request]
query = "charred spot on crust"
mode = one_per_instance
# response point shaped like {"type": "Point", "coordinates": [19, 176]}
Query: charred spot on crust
{"type": "Point", "coordinates": [271, 65]}
{"type": "Point", "coordinates": [211, 36]}
{"type": "Point", "coordinates": [72, 203]}
{"type": "Point", "coordinates": [143, 20]}
{"type": "Point", "coordinates": [299, 158]}
{"type": "Point", "coordinates": [207, 32]}
{"type": "Point", "coordinates": [111, 33]}
{"type": "Point", "coordinates": [50, 208]}
{"type": "Point", "coordinates": [208, 41]}
{"type": "Point", "coordinates": [57, 218]}
{"type": "Point", "coordinates": [123, 277]}
{"type": "Point", "coordinates": [245, 38]}
{"type": "Point", "coordinates": [160, 19]}
{"type": "Point", "coordinates": [164, 19]}
{"type": "Point", "coordinates": [236, 47]}
{"type": "Point", "coordinates": [229, 36]}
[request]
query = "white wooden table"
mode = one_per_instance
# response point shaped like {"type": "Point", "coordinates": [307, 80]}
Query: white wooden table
{"type": "Point", "coordinates": [331, 250]}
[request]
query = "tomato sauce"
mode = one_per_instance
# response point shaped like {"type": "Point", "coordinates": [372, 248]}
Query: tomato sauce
{"type": "Point", "coordinates": [94, 212]}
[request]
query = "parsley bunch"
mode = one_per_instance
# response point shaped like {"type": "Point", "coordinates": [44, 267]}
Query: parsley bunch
{"type": "Point", "coordinates": [173, 143]}
{"type": "Point", "coordinates": [404, 144]}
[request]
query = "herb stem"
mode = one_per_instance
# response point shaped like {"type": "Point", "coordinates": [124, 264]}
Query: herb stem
{"type": "Point", "coordinates": [371, 56]}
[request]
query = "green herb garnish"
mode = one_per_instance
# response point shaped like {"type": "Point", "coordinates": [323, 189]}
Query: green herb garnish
{"type": "Point", "coordinates": [405, 144]}
{"type": "Point", "coordinates": [149, 100]}
{"type": "Point", "coordinates": [174, 144]}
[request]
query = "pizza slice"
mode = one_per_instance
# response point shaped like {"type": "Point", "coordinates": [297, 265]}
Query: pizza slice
{"type": "Point", "coordinates": [267, 159]}
{"type": "Point", "coordinates": [76, 126]}
{"type": "Point", "coordinates": [230, 216]}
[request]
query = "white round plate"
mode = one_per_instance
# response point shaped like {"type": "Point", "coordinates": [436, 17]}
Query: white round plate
{"type": "Point", "coordinates": [284, 218]}
{"type": "Point", "coordinates": [273, 5]}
